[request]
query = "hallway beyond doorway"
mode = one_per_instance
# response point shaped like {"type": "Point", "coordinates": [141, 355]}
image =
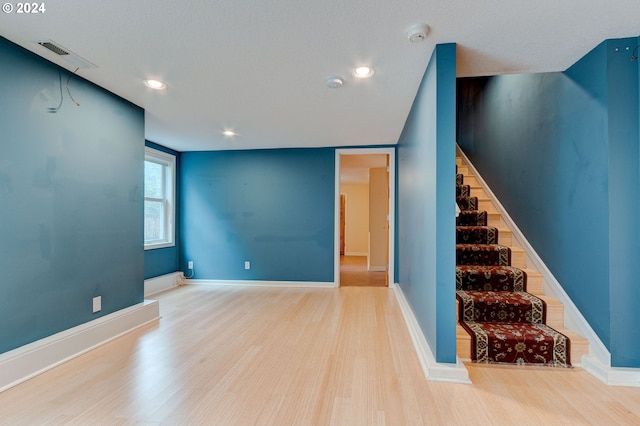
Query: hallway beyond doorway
{"type": "Point", "coordinates": [353, 272]}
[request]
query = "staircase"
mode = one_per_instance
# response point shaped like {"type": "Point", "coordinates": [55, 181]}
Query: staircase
{"type": "Point", "coordinates": [487, 240]}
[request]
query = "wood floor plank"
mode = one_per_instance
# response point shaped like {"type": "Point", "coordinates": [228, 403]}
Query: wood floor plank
{"type": "Point", "coordinates": [272, 356]}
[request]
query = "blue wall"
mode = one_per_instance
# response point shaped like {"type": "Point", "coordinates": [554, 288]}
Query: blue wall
{"type": "Point", "coordinates": [162, 261]}
{"type": "Point", "coordinates": [70, 200]}
{"type": "Point", "coordinates": [560, 150]}
{"type": "Point", "coordinates": [426, 204]}
{"type": "Point", "coordinates": [624, 202]}
{"type": "Point", "coordinates": [274, 208]}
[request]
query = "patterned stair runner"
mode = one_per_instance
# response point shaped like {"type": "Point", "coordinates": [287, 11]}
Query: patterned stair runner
{"type": "Point", "coordinates": [506, 324]}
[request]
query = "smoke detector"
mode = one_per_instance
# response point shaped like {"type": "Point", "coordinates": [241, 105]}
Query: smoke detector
{"type": "Point", "coordinates": [334, 82]}
{"type": "Point", "coordinates": [417, 33]}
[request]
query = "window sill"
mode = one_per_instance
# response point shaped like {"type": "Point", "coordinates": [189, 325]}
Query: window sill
{"type": "Point", "coordinates": [158, 246]}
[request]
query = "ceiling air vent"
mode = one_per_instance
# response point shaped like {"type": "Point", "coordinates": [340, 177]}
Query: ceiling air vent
{"type": "Point", "coordinates": [54, 48]}
{"type": "Point", "coordinates": [66, 54]}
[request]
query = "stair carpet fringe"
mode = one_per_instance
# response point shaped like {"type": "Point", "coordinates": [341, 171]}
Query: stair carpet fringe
{"type": "Point", "coordinates": [506, 323]}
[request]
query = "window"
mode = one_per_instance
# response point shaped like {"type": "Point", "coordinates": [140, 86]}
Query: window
{"type": "Point", "coordinates": [159, 196]}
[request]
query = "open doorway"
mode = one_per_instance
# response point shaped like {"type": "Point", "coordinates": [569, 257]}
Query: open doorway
{"type": "Point", "coordinates": [364, 234]}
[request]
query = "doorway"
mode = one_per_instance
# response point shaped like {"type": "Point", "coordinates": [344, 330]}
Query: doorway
{"type": "Point", "coordinates": [365, 212]}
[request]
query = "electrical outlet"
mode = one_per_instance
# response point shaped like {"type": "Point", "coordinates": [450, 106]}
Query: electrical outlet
{"type": "Point", "coordinates": [190, 264]}
{"type": "Point", "coordinates": [97, 304]}
{"type": "Point", "coordinates": [247, 264]}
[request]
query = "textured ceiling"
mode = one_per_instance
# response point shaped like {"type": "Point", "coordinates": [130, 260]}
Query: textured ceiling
{"type": "Point", "coordinates": [259, 66]}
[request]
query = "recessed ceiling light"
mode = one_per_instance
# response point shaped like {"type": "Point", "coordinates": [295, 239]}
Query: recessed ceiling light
{"type": "Point", "coordinates": [364, 72]}
{"type": "Point", "coordinates": [229, 132]}
{"type": "Point", "coordinates": [155, 84]}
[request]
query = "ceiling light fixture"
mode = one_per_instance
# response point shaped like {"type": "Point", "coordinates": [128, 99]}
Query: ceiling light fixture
{"type": "Point", "coordinates": [364, 72]}
{"type": "Point", "coordinates": [155, 84]}
{"type": "Point", "coordinates": [229, 132]}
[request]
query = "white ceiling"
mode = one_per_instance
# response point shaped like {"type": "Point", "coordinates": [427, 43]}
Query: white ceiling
{"type": "Point", "coordinates": [259, 66]}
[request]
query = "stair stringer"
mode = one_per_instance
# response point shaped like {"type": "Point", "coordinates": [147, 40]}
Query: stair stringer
{"type": "Point", "coordinates": [573, 318]}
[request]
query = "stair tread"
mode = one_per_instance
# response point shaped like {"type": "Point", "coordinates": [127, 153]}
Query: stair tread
{"type": "Point", "coordinates": [575, 338]}
{"type": "Point", "coordinates": [550, 301]}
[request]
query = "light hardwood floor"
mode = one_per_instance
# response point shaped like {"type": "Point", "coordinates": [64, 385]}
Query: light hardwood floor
{"type": "Point", "coordinates": [286, 356]}
{"type": "Point", "coordinates": [354, 272]}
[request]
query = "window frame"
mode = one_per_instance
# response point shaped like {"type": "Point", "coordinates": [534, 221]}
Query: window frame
{"type": "Point", "coordinates": [168, 162]}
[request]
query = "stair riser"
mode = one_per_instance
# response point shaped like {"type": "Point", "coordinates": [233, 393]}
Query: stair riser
{"type": "Point", "coordinates": [518, 259]}
{"type": "Point", "coordinates": [555, 315]}
{"type": "Point", "coordinates": [486, 205]}
{"type": "Point", "coordinates": [490, 279]}
{"type": "Point", "coordinates": [528, 309]}
{"type": "Point", "coordinates": [494, 219]}
{"type": "Point", "coordinates": [534, 283]}
{"type": "Point", "coordinates": [496, 257]}
{"type": "Point", "coordinates": [579, 346]}
{"type": "Point", "coordinates": [476, 235]}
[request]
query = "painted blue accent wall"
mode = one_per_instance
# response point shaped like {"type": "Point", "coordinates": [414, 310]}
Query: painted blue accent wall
{"type": "Point", "coordinates": [70, 200]}
{"type": "Point", "coordinates": [164, 260]}
{"type": "Point", "coordinates": [274, 208]}
{"type": "Point", "coordinates": [426, 204]}
{"type": "Point", "coordinates": [560, 150]}
{"type": "Point", "coordinates": [624, 202]}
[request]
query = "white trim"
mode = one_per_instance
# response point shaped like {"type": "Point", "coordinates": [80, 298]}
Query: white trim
{"type": "Point", "coordinates": [433, 370]}
{"type": "Point", "coordinates": [378, 269]}
{"type": "Point", "coordinates": [346, 231]}
{"type": "Point", "coordinates": [35, 358]}
{"type": "Point", "coordinates": [251, 283]}
{"type": "Point", "coordinates": [392, 206]}
{"type": "Point", "coordinates": [573, 318]}
{"type": "Point", "coordinates": [169, 200]}
{"type": "Point", "coordinates": [163, 282]}
{"type": "Point", "coordinates": [613, 376]}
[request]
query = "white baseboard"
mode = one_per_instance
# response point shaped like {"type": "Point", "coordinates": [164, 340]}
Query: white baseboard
{"type": "Point", "coordinates": [251, 283]}
{"type": "Point", "coordinates": [433, 370]}
{"type": "Point", "coordinates": [378, 268]}
{"type": "Point", "coordinates": [35, 358]}
{"type": "Point", "coordinates": [161, 283]}
{"type": "Point", "coordinates": [356, 253]}
{"type": "Point", "coordinates": [573, 318]}
{"type": "Point", "coordinates": [613, 376]}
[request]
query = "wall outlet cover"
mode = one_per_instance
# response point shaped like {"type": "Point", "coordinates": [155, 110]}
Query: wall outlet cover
{"type": "Point", "coordinates": [97, 304]}
{"type": "Point", "coordinates": [247, 264]}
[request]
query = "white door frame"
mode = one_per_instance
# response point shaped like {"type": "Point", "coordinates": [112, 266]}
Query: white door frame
{"type": "Point", "coordinates": [392, 208]}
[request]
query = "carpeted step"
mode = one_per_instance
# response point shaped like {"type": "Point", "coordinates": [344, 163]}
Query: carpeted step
{"type": "Point", "coordinates": [476, 235]}
{"type": "Point", "coordinates": [490, 278]}
{"type": "Point", "coordinates": [472, 218]}
{"type": "Point", "coordinates": [459, 179]}
{"type": "Point", "coordinates": [467, 203]}
{"type": "Point", "coordinates": [500, 306]}
{"type": "Point", "coordinates": [518, 343]}
{"type": "Point", "coordinates": [486, 255]}
{"type": "Point", "coordinates": [463, 191]}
